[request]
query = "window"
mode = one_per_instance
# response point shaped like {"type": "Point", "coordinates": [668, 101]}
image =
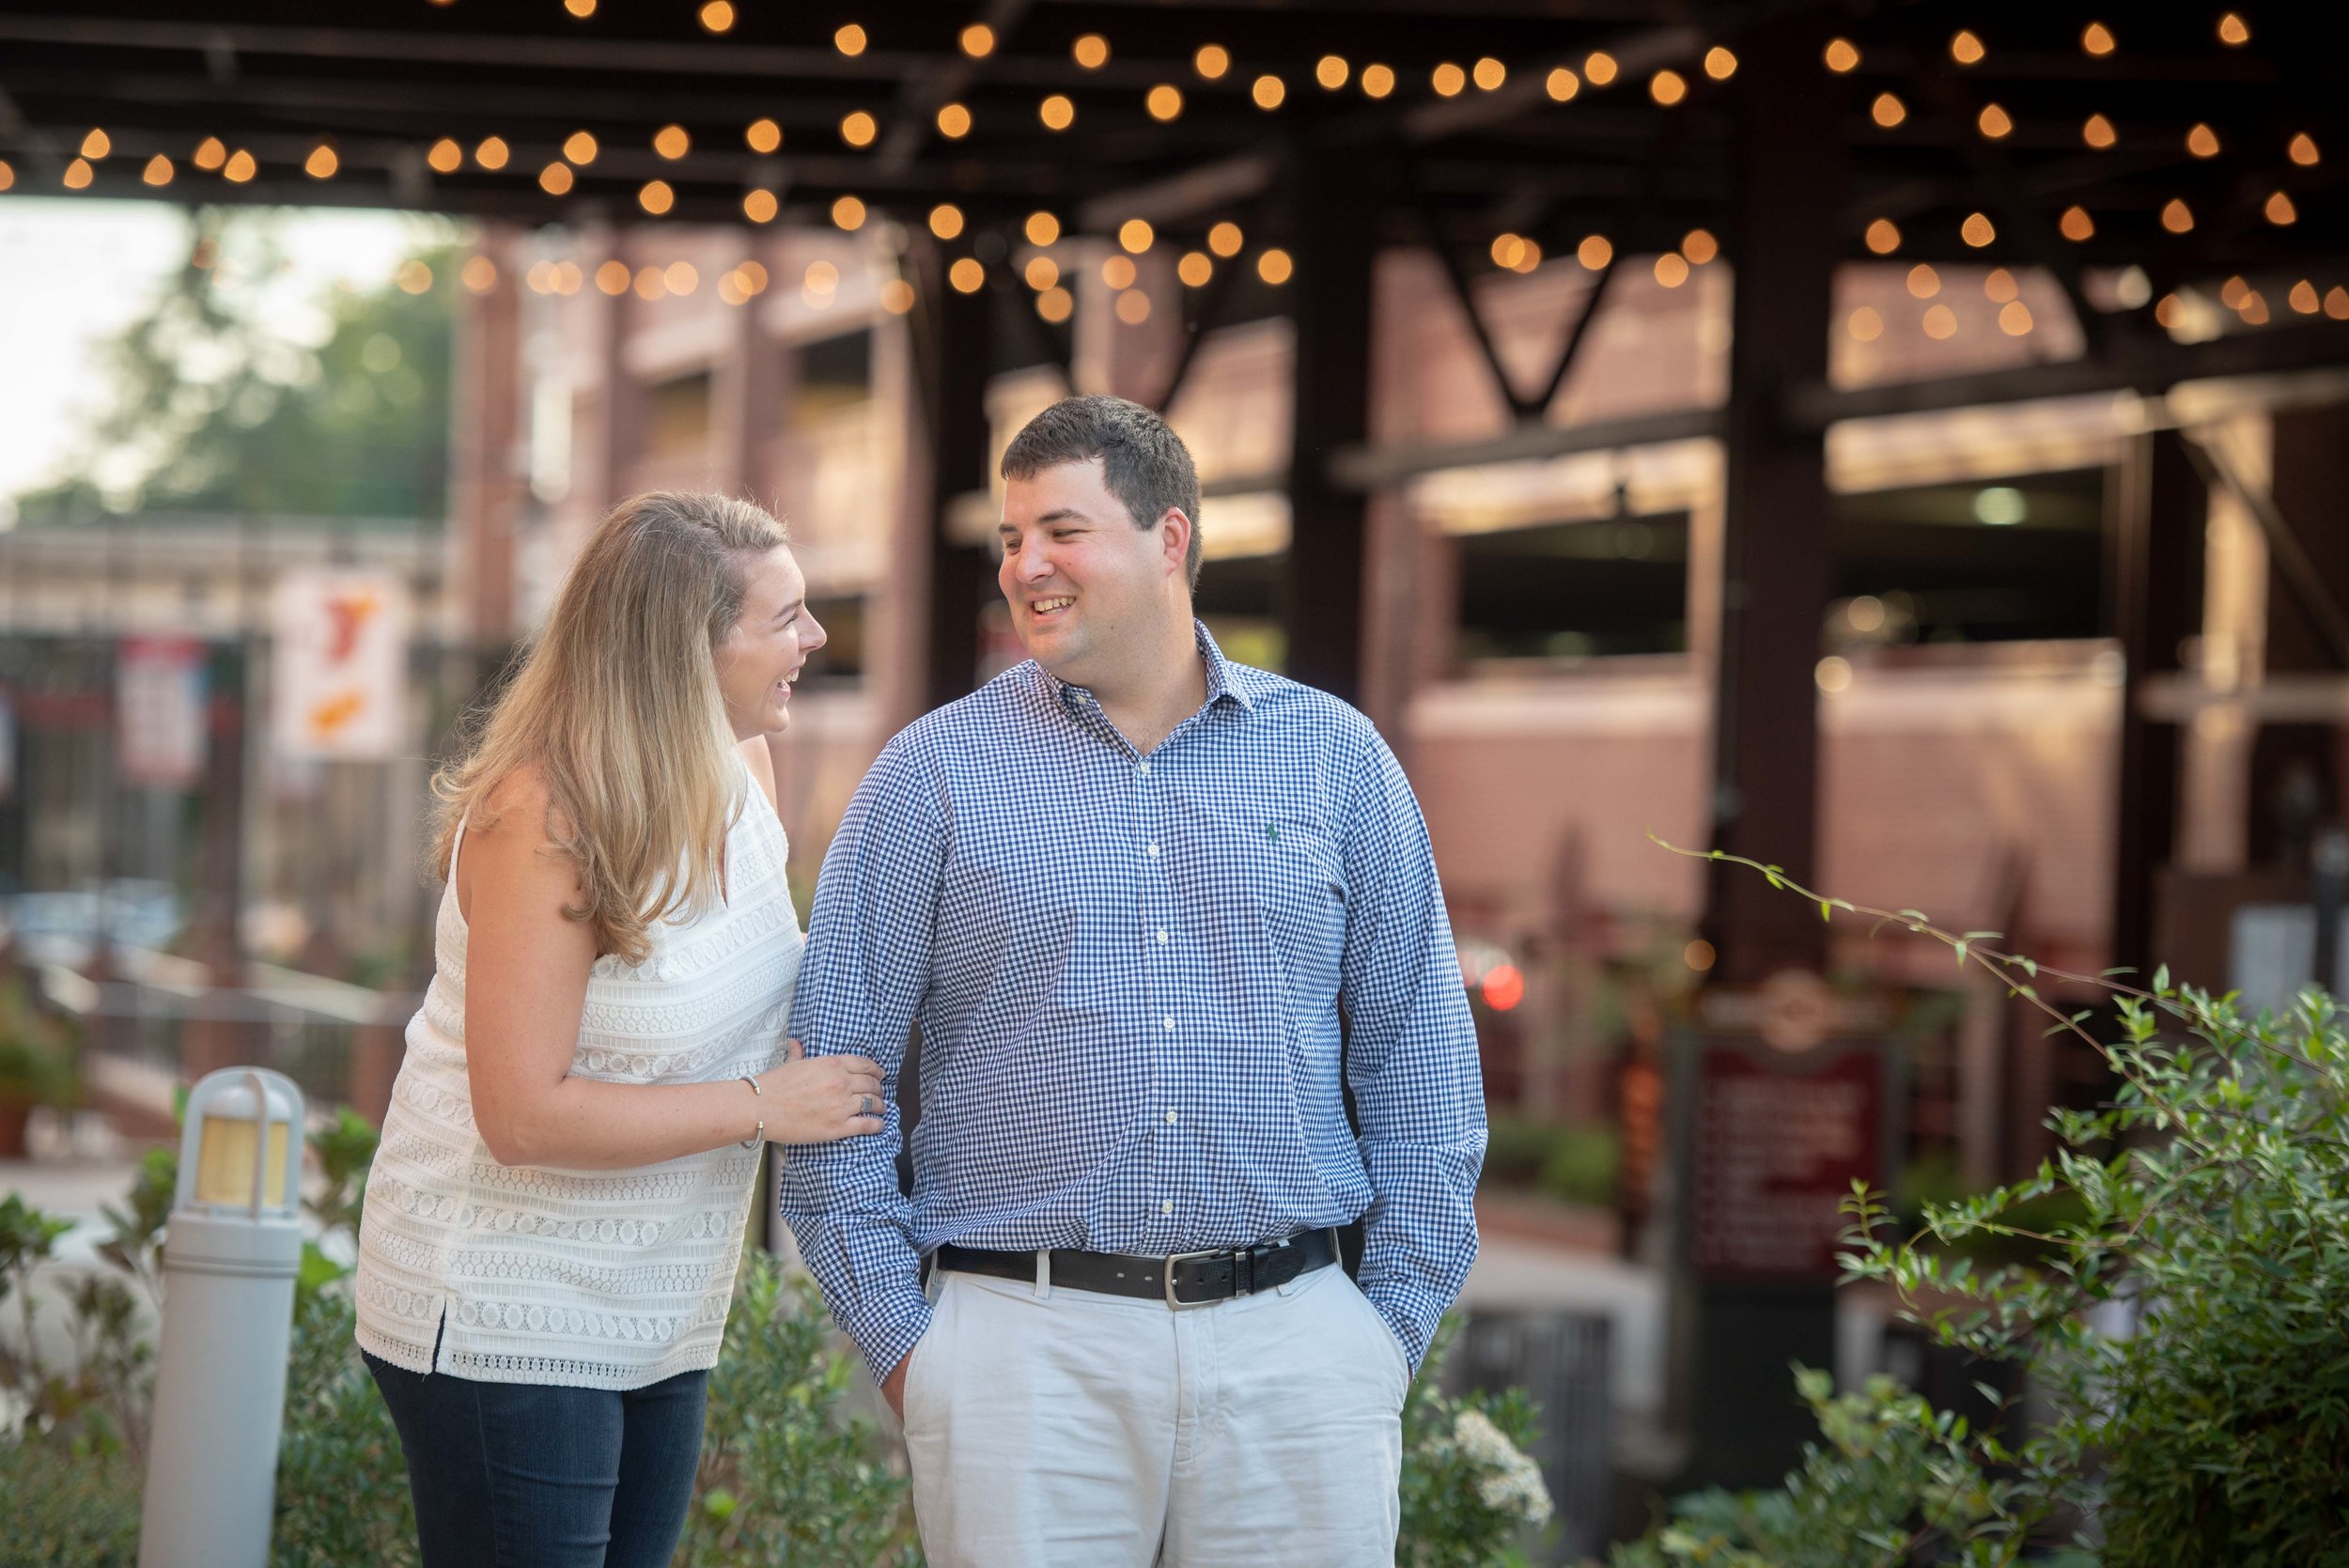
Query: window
{"type": "Point", "coordinates": [1567, 591]}
{"type": "Point", "coordinates": [2005, 560]}
{"type": "Point", "coordinates": [1239, 599]}
{"type": "Point", "coordinates": [841, 661]}
{"type": "Point", "coordinates": [835, 373]}
{"type": "Point", "coordinates": [679, 416]}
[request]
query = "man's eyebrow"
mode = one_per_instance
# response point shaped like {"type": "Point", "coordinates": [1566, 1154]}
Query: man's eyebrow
{"type": "Point", "coordinates": [1059, 514]}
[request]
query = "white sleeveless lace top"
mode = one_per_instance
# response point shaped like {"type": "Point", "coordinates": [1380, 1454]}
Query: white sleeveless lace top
{"type": "Point", "coordinates": [590, 1279]}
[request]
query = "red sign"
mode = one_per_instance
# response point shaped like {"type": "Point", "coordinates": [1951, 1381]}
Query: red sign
{"type": "Point", "coordinates": [1778, 1142]}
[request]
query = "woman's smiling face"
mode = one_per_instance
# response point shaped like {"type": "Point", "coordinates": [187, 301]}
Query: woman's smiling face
{"type": "Point", "coordinates": [763, 654]}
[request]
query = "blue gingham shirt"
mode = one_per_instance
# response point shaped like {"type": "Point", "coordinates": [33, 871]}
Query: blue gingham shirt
{"type": "Point", "coordinates": [1127, 972]}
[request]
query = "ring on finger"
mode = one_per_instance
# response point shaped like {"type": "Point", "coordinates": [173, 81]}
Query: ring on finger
{"type": "Point", "coordinates": [864, 1105]}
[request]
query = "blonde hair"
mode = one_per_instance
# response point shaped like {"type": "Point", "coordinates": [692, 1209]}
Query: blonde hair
{"type": "Point", "coordinates": [616, 702]}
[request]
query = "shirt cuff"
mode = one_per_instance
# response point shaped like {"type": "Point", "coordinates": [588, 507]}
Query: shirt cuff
{"type": "Point", "coordinates": [888, 1331]}
{"type": "Point", "coordinates": [1402, 1321]}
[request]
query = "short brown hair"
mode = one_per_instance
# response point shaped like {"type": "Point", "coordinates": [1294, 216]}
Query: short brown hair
{"type": "Point", "coordinates": [1144, 465]}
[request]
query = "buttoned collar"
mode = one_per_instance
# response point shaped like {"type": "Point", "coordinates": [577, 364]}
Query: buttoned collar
{"type": "Point", "coordinates": [1225, 679]}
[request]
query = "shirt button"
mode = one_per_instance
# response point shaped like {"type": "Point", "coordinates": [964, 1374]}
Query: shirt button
{"type": "Point", "coordinates": [1145, 770]}
{"type": "Point", "coordinates": [1170, 1020]}
{"type": "Point", "coordinates": [1167, 1207]}
{"type": "Point", "coordinates": [1154, 851]}
{"type": "Point", "coordinates": [1172, 1116]}
{"type": "Point", "coordinates": [1161, 934]}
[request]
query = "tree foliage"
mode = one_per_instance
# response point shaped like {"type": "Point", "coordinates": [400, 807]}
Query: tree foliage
{"type": "Point", "coordinates": [214, 406]}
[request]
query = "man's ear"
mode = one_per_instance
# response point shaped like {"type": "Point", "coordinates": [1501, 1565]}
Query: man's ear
{"type": "Point", "coordinates": [1175, 536]}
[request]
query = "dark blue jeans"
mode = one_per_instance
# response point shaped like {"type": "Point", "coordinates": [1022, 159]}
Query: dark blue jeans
{"type": "Point", "coordinates": [520, 1475]}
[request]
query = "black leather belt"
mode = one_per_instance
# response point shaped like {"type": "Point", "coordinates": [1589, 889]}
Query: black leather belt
{"type": "Point", "coordinates": [1185, 1279]}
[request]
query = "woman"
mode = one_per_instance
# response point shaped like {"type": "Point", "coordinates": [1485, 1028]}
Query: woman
{"type": "Point", "coordinates": [555, 1213]}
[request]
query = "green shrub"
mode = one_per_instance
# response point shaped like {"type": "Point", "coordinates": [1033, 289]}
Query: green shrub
{"type": "Point", "coordinates": [2181, 1322]}
{"type": "Point", "coordinates": [67, 1508]}
{"type": "Point", "coordinates": [1471, 1495]}
{"type": "Point", "coordinates": [1575, 1164]}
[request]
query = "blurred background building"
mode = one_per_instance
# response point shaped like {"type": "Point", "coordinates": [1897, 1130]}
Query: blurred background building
{"type": "Point", "coordinates": [1909, 447]}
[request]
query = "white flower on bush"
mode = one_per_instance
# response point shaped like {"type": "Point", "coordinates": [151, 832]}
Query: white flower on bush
{"type": "Point", "coordinates": [1512, 1483]}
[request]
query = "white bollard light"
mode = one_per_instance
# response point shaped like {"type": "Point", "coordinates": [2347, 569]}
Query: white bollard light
{"type": "Point", "coordinates": [232, 1252]}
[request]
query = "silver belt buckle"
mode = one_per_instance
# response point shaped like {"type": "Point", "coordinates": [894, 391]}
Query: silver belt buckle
{"type": "Point", "coordinates": [1169, 1280]}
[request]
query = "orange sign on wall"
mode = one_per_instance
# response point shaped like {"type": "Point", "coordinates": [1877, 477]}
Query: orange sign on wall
{"type": "Point", "coordinates": [338, 677]}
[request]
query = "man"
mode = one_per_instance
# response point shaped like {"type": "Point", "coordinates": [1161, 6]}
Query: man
{"type": "Point", "coordinates": [1125, 891]}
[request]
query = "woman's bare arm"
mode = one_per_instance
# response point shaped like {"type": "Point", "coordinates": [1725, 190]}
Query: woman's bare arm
{"type": "Point", "coordinates": [526, 985]}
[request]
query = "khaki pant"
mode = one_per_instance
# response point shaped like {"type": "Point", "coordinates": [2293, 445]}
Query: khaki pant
{"type": "Point", "coordinates": [1061, 1428]}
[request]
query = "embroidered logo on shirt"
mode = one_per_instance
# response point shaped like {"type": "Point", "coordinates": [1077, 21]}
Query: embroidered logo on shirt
{"type": "Point", "coordinates": [1272, 832]}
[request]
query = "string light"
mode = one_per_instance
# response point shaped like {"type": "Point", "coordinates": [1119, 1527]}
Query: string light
{"type": "Point", "coordinates": [2170, 312]}
{"type": "Point", "coordinates": [2234, 293]}
{"type": "Point", "coordinates": [849, 40]}
{"type": "Point", "coordinates": [555, 179]}
{"type": "Point", "coordinates": [2279, 210]}
{"type": "Point", "coordinates": [8, 176]}
{"type": "Point", "coordinates": [1842, 56]}
{"type": "Point", "coordinates": [1965, 48]}
{"type": "Point", "coordinates": [1225, 240]}
{"type": "Point", "coordinates": [717, 16]}
{"type": "Point", "coordinates": [1887, 110]}
{"type": "Point", "coordinates": [1041, 272]}
{"type": "Point", "coordinates": [1672, 269]}
{"type": "Point", "coordinates": [680, 277]}
{"type": "Point", "coordinates": [954, 121]}
{"type": "Point", "coordinates": [2303, 298]}
{"type": "Point", "coordinates": [2098, 133]}
{"type": "Point", "coordinates": [1993, 122]}
{"type": "Point", "coordinates": [1133, 307]}
{"type": "Point", "coordinates": [1668, 87]}
{"type": "Point", "coordinates": [580, 148]}
{"type": "Point", "coordinates": [1563, 84]}
{"type": "Point", "coordinates": [1092, 51]}
{"type": "Point", "coordinates": [978, 40]}
{"type": "Point", "coordinates": [580, 9]}
{"type": "Point", "coordinates": [1508, 250]}
{"type": "Point", "coordinates": [2233, 31]}
{"type": "Point", "coordinates": [612, 277]}
{"type": "Point", "coordinates": [859, 129]}
{"type": "Point", "coordinates": [1332, 72]}
{"type": "Point", "coordinates": [415, 277]}
{"type": "Point", "coordinates": [848, 214]}
{"type": "Point", "coordinates": [1164, 102]}
{"type": "Point", "coordinates": [2177, 216]}
{"type": "Point", "coordinates": [1118, 272]}
{"type": "Point", "coordinates": [97, 145]}
{"type": "Point", "coordinates": [1042, 228]}
{"type": "Point", "coordinates": [650, 285]}
{"type": "Point", "coordinates": [2254, 310]}
{"type": "Point", "coordinates": [760, 207]}
{"type": "Point", "coordinates": [2097, 38]}
{"type": "Point", "coordinates": [1599, 69]}
{"type": "Point", "coordinates": [2337, 303]}
{"type": "Point", "coordinates": [1212, 61]}
{"type": "Point", "coordinates": [1377, 80]}
{"type": "Point", "coordinates": [1489, 73]}
{"type": "Point", "coordinates": [2076, 224]}
{"type": "Point", "coordinates": [1268, 91]}
{"type": "Point", "coordinates": [1698, 955]}
{"type": "Point", "coordinates": [1924, 282]}
{"type": "Point", "coordinates": [1135, 235]}
{"type": "Point", "coordinates": [322, 163]}
{"type": "Point", "coordinates": [1056, 304]}
{"type": "Point", "coordinates": [158, 170]}
{"type": "Point", "coordinates": [1884, 236]}
{"type": "Point", "coordinates": [966, 275]}
{"type": "Point", "coordinates": [479, 275]}
{"type": "Point", "coordinates": [819, 283]}
{"type": "Point", "coordinates": [672, 141]}
{"type": "Point", "coordinates": [1448, 80]}
{"type": "Point", "coordinates": [897, 296]}
{"type": "Point", "coordinates": [1594, 252]}
{"type": "Point", "coordinates": [1195, 269]}
{"type": "Point", "coordinates": [1940, 322]}
{"type": "Point", "coordinates": [656, 197]}
{"type": "Point", "coordinates": [210, 153]}
{"type": "Point", "coordinates": [762, 136]}
{"type": "Point", "coordinates": [1865, 325]}
{"type": "Point", "coordinates": [239, 167]}
{"type": "Point", "coordinates": [946, 220]}
{"type": "Point", "coordinates": [1720, 63]}
{"type": "Point", "coordinates": [78, 174]}
{"type": "Point", "coordinates": [446, 156]}
{"type": "Point", "coordinates": [2203, 142]}
{"type": "Point", "coordinates": [492, 153]}
{"type": "Point", "coordinates": [1058, 112]}
{"type": "Point", "coordinates": [2000, 286]}
{"type": "Point", "coordinates": [1698, 246]}
{"type": "Point", "coordinates": [1275, 267]}
{"type": "Point", "coordinates": [2303, 150]}
{"type": "Point", "coordinates": [2014, 319]}
{"type": "Point", "coordinates": [1977, 230]}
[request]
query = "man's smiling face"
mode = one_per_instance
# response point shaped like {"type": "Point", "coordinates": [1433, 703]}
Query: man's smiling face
{"type": "Point", "coordinates": [1088, 588]}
